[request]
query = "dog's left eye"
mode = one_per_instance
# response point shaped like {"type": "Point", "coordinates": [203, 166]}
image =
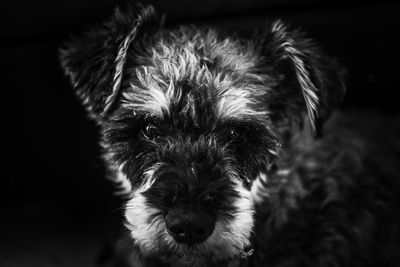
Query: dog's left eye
{"type": "Point", "coordinates": [150, 131]}
{"type": "Point", "coordinates": [233, 134]}
{"type": "Point", "coordinates": [241, 133]}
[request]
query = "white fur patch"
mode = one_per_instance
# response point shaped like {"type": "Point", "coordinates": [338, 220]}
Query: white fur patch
{"type": "Point", "coordinates": [238, 102]}
{"type": "Point", "coordinates": [229, 239]}
{"type": "Point", "coordinates": [138, 215]}
{"type": "Point", "coordinates": [151, 95]}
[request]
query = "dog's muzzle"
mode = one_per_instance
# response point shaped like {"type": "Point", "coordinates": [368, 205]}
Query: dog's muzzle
{"type": "Point", "coordinates": [189, 227]}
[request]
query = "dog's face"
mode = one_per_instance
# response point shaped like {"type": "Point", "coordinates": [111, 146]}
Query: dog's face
{"type": "Point", "coordinates": [190, 134]}
{"type": "Point", "coordinates": [190, 119]}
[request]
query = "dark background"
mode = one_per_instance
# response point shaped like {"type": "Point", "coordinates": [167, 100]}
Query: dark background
{"type": "Point", "coordinates": [53, 198]}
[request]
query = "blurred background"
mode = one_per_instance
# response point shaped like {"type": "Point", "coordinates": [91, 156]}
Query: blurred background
{"type": "Point", "coordinates": [53, 198]}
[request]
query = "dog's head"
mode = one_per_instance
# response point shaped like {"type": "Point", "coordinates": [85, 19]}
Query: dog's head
{"type": "Point", "coordinates": [190, 118]}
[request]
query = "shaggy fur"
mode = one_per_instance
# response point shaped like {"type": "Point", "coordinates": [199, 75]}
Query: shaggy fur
{"type": "Point", "coordinates": [230, 131]}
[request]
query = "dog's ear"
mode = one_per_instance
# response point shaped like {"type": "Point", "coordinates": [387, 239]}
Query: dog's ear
{"type": "Point", "coordinates": [307, 81]}
{"type": "Point", "coordinates": [95, 61]}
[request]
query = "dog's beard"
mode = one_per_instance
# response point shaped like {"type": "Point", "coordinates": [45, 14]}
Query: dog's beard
{"type": "Point", "coordinates": [229, 240]}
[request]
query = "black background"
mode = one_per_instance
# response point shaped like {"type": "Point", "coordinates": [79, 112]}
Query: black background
{"type": "Point", "coordinates": [53, 198]}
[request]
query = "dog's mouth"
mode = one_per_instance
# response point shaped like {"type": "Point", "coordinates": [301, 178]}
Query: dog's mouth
{"type": "Point", "coordinates": [195, 259]}
{"type": "Point", "coordinates": [217, 250]}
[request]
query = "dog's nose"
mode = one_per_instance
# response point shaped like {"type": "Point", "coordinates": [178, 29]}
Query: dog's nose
{"type": "Point", "coordinates": [189, 227]}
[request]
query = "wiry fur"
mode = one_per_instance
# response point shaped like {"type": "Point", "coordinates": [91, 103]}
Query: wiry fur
{"type": "Point", "coordinates": [209, 124]}
{"type": "Point", "coordinates": [338, 204]}
{"type": "Point", "coordinates": [184, 56]}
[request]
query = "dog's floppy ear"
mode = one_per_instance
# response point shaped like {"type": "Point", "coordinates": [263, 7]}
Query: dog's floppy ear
{"type": "Point", "coordinates": [308, 81]}
{"type": "Point", "coordinates": [95, 62]}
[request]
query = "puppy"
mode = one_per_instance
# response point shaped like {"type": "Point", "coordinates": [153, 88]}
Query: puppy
{"type": "Point", "coordinates": [218, 147]}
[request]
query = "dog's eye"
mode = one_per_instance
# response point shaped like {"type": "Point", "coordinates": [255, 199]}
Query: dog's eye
{"type": "Point", "coordinates": [240, 134]}
{"type": "Point", "coordinates": [150, 131]}
{"type": "Point", "coordinates": [233, 134]}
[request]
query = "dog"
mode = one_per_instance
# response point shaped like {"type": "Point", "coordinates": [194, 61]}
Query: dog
{"type": "Point", "coordinates": [226, 149]}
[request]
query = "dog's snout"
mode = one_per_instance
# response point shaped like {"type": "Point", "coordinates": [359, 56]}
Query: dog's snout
{"type": "Point", "coordinates": [189, 227]}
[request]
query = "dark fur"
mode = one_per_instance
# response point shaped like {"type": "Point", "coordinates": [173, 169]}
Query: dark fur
{"type": "Point", "coordinates": [339, 206]}
{"type": "Point", "coordinates": [328, 200]}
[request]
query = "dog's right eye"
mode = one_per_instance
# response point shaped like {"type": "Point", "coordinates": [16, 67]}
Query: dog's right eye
{"type": "Point", "coordinates": [233, 134]}
{"type": "Point", "coordinates": [150, 131]}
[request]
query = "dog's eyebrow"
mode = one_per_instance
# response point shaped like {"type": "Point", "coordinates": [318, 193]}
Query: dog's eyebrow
{"type": "Point", "coordinates": [148, 98]}
{"type": "Point", "coordinates": [239, 103]}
